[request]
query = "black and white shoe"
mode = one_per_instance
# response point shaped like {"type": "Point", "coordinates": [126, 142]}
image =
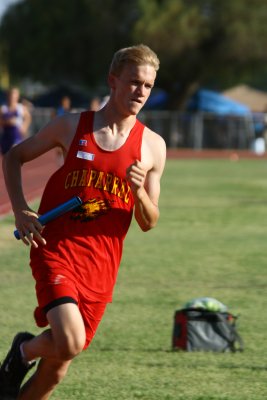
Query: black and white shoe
{"type": "Point", "coordinates": [14, 369]}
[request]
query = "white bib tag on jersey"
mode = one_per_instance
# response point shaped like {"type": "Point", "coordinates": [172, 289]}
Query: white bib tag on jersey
{"type": "Point", "coordinates": [85, 156]}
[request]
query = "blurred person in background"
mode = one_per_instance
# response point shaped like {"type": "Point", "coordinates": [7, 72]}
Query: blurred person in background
{"type": "Point", "coordinates": [15, 120]}
{"type": "Point", "coordinates": [64, 107]}
{"type": "Point", "coordinates": [95, 104]}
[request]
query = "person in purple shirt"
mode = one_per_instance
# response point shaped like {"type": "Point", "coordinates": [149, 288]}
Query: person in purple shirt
{"type": "Point", "coordinates": [15, 120]}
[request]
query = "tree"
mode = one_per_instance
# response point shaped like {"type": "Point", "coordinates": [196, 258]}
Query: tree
{"type": "Point", "coordinates": [204, 41]}
{"type": "Point", "coordinates": [199, 42]}
{"type": "Point", "coordinates": [59, 40]}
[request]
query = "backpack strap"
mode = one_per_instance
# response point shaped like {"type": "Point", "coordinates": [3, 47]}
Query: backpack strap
{"type": "Point", "coordinates": [227, 330]}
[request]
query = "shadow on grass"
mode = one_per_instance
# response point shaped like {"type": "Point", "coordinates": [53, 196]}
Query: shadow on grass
{"type": "Point", "coordinates": [166, 351]}
{"type": "Point", "coordinates": [140, 350]}
{"type": "Point", "coordinates": [249, 367]}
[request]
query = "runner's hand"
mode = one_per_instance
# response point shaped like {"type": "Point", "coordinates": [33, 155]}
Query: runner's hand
{"type": "Point", "coordinates": [29, 227]}
{"type": "Point", "coordinates": [136, 175]}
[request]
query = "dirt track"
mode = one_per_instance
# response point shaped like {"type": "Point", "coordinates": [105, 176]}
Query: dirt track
{"type": "Point", "coordinates": [213, 154]}
{"type": "Point", "coordinates": [36, 173]}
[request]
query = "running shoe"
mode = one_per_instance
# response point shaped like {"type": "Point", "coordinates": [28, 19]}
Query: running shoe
{"type": "Point", "coordinates": [14, 369]}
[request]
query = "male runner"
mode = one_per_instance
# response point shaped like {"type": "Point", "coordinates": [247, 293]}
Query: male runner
{"type": "Point", "coordinates": [114, 163]}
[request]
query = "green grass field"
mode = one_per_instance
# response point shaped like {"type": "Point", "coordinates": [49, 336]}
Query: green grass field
{"type": "Point", "coordinates": [210, 241]}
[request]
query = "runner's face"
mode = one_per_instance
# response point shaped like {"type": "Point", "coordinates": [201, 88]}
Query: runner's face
{"type": "Point", "coordinates": [133, 87]}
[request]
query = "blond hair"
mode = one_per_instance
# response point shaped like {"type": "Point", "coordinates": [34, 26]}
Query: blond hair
{"type": "Point", "coordinates": [138, 55]}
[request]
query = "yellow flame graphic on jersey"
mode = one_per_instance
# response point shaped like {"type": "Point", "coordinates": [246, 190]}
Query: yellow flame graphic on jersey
{"type": "Point", "coordinates": [91, 209]}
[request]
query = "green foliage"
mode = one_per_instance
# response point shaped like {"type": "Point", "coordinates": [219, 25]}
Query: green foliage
{"type": "Point", "coordinates": [170, 22]}
{"type": "Point", "coordinates": [210, 241]}
{"type": "Point", "coordinates": [64, 40]}
{"type": "Point", "coordinates": [205, 42]}
{"type": "Point", "coordinates": [199, 42]}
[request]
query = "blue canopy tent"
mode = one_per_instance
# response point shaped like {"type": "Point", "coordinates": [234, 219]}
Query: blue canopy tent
{"type": "Point", "coordinates": [213, 102]}
{"type": "Point", "coordinates": [229, 124]}
{"type": "Point", "coordinates": [203, 100]}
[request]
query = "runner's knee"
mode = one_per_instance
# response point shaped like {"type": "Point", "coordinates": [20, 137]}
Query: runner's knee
{"type": "Point", "coordinates": [68, 331]}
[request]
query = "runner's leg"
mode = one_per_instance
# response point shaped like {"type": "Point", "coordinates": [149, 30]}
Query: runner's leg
{"type": "Point", "coordinates": [56, 347]}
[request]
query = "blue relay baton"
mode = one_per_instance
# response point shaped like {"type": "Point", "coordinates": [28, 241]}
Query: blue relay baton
{"type": "Point", "coordinates": [56, 212]}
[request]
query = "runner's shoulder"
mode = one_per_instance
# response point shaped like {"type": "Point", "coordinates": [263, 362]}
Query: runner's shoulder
{"type": "Point", "coordinates": [153, 138]}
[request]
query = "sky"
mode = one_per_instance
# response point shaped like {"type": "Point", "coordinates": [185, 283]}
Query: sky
{"type": "Point", "coordinates": [4, 4]}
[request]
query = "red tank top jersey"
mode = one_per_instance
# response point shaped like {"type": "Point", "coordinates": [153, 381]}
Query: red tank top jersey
{"type": "Point", "coordinates": [89, 240]}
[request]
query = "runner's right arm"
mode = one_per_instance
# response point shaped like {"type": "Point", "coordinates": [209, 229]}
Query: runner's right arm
{"type": "Point", "coordinates": [57, 133]}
